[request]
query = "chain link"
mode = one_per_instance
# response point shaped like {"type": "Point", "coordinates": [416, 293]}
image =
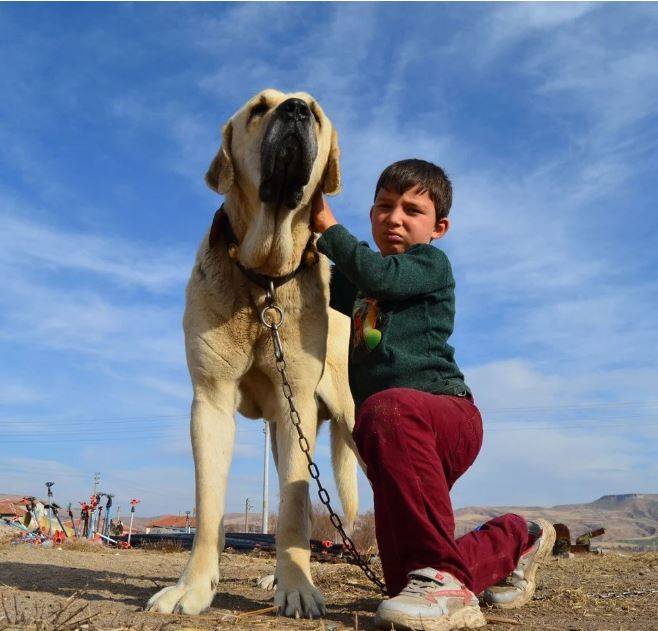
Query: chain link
{"type": "Point", "coordinates": [272, 324]}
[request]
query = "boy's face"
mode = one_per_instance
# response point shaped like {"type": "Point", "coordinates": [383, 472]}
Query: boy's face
{"type": "Point", "coordinates": [400, 221]}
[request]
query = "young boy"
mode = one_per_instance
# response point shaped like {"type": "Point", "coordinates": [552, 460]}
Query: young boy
{"type": "Point", "coordinates": [417, 427]}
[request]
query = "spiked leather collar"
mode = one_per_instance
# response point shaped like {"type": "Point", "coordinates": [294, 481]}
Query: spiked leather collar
{"type": "Point", "coordinates": [221, 226]}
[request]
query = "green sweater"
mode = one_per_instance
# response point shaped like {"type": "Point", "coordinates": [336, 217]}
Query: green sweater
{"type": "Point", "coordinates": [402, 308]}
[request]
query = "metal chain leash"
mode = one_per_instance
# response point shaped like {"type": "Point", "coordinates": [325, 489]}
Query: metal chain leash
{"type": "Point", "coordinates": [272, 317]}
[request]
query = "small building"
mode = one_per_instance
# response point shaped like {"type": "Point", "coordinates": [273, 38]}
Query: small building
{"type": "Point", "coordinates": [12, 507]}
{"type": "Point", "coordinates": [172, 523]}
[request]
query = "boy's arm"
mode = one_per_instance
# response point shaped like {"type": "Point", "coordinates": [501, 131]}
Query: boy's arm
{"type": "Point", "coordinates": [342, 292]}
{"type": "Point", "coordinates": [421, 269]}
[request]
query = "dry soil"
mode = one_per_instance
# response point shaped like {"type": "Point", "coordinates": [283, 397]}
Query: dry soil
{"type": "Point", "coordinates": [43, 589]}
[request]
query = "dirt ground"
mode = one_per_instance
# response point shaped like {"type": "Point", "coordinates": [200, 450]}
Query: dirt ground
{"type": "Point", "coordinates": [43, 589]}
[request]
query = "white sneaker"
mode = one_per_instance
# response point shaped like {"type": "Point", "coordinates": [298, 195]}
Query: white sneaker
{"type": "Point", "coordinates": [519, 587]}
{"type": "Point", "coordinates": [432, 601]}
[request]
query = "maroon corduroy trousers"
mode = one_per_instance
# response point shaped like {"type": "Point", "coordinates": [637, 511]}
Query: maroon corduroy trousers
{"type": "Point", "coordinates": [415, 446]}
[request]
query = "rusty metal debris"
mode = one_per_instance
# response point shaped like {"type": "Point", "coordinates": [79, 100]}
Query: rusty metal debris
{"type": "Point", "coordinates": [629, 593]}
{"type": "Point", "coordinates": [563, 543]}
{"type": "Point", "coordinates": [625, 594]}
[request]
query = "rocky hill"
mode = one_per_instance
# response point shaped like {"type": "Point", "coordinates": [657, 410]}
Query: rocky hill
{"type": "Point", "coordinates": [624, 517]}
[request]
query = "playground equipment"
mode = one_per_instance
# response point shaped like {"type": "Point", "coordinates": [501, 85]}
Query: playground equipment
{"type": "Point", "coordinates": [92, 523]}
{"type": "Point", "coordinates": [133, 503]}
{"type": "Point", "coordinates": [53, 509]}
{"type": "Point", "coordinates": [75, 528]}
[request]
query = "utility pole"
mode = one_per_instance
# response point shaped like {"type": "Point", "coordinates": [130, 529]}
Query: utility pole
{"type": "Point", "coordinates": [97, 481]}
{"type": "Point", "coordinates": [247, 508]}
{"type": "Point", "coordinates": [266, 482]}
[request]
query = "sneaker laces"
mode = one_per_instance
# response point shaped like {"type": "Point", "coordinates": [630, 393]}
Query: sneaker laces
{"type": "Point", "coordinates": [417, 585]}
{"type": "Point", "coordinates": [516, 578]}
{"type": "Point", "coordinates": [513, 580]}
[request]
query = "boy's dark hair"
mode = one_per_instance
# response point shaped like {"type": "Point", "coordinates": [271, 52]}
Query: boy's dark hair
{"type": "Point", "coordinates": [405, 174]}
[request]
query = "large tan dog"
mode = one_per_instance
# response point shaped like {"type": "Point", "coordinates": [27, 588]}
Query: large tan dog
{"type": "Point", "coordinates": [276, 152]}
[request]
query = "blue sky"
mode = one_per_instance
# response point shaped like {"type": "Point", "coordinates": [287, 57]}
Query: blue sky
{"type": "Point", "coordinates": [544, 117]}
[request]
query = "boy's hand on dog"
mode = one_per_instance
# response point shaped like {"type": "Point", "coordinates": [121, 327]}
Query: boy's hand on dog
{"type": "Point", "coordinates": [321, 215]}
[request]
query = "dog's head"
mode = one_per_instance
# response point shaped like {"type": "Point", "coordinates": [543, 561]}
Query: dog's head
{"type": "Point", "coordinates": [278, 149]}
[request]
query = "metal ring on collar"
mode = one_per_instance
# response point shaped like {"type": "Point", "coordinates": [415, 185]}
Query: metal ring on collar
{"type": "Point", "coordinates": [271, 322]}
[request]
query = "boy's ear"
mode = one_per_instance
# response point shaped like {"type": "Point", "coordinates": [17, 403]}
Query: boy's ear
{"type": "Point", "coordinates": [220, 174]}
{"type": "Point", "coordinates": [442, 226]}
{"type": "Point", "coordinates": [331, 177]}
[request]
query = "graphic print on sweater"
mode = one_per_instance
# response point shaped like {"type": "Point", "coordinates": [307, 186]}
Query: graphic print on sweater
{"type": "Point", "coordinates": [369, 323]}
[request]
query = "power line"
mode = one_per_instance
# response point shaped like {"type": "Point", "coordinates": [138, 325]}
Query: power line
{"type": "Point", "coordinates": [112, 430]}
{"type": "Point", "coordinates": [65, 440]}
{"type": "Point", "coordinates": [185, 416]}
{"type": "Point", "coordinates": [181, 421]}
{"type": "Point", "coordinates": [576, 406]}
{"type": "Point", "coordinates": [62, 474]}
{"type": "Point", "coordinates": [113, 435]}
{"type": "Point", "coordinates": [131, 436]}
{"type": "Point", "coordinates": [151, 417]}
{"type": "Point", "coordinates": [242, 428]}
{"type": "Point", "coordinates": [71, 474]}
{"type": "Point", "coordinates": [559, 427]}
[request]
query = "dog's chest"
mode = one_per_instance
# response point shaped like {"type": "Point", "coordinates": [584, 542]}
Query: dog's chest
{"type": "Point", "coordinates": [231, 308]}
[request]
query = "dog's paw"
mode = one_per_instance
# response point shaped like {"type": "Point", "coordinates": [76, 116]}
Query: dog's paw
{"type": "Point", "coordinates": [267, 582]}
{"type": "Point", "coordinates": [186, 599]}
{"type": "Point", "coordinates": [305, 601]}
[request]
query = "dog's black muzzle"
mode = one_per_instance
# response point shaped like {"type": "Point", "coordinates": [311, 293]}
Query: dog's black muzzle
{"type": "Point", "coordinates": [287, 154]}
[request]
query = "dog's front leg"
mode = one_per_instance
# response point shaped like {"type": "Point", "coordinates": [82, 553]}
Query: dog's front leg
{"type": "Point", "coordinates": [213, 432]}
{"type": "Point", "coordinates": [295, 593]}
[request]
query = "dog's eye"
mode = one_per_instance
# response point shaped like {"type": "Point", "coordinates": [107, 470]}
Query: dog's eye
{"type": "Point", "coordinates": [258, 110]}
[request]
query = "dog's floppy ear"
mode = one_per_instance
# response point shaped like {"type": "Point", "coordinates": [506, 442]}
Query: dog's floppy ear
{"type": "Point", "coordinates": [220, 173]}
{"type": "Point", "coordinates": [331, 177]}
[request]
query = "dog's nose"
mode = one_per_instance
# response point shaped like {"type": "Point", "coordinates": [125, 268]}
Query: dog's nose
{"type": "Point", "coordinates": [295, 109]}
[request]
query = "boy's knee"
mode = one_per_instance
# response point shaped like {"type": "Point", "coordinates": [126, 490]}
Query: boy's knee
{"type": "Point", "coordinates": [510, 523]}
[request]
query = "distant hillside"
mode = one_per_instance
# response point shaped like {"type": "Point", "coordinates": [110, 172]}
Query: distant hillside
{"type": "Point", "coordinates": [629, 516]}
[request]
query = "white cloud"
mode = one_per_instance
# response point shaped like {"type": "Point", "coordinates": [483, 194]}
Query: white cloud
{"type": "Point", "coordinates": [193, 139]}
{"type": "Point", "coordinates": [26, 476]}
{"type": "Point", "coordinates": [172, 388]}
{"type": "Point", "coordinates": [160, 487]}
{"type": "Point", "coordinates": [507, 25]}
{"type": "Point", "coordinates": [27, 244]}
{"type": "Point", "coordinates": [46, 303]}
{"type": "Point", "coordinates": [615, 85]}
{"type": "Point", "coordinates": [16, 393]}
{"type": "Point", "coordinates": [551, 433]}
{"type": "Point", "coordinates": [240, 27]}
{"type": "Point", "coordinates": [516, 383]}
{"type": "Point", "coordinates": [543, 467]}
{"type": "Point", "coordinates": [254, 77]}
{"type": "Point", "coordinates": [88, 323]}
{"type": "Point", "coordinates": [594, 330]}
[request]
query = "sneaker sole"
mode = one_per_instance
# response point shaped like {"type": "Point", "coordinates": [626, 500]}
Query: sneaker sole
{"type": "Point", "coordinates": [542, 554]}
{"type": "Point", "coordinates": [465, 618]}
